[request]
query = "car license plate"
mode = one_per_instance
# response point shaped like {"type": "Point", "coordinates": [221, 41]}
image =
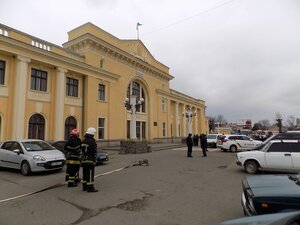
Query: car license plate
{"type": "Point", "coordinates": [56, 163]}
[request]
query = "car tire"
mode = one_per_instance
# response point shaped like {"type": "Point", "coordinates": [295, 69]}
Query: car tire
{"type": "Point", "coordinates": [25, 168]}
{"type": "Point", "coordinates": [251, 167]}
{"type": "Point", "coordinates": [233, 148]}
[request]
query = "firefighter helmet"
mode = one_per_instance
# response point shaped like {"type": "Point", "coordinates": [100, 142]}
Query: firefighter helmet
{"type": "Point", "coordinates": [91, 131]}
{"type": "Point", "coordinates": [75, 132]}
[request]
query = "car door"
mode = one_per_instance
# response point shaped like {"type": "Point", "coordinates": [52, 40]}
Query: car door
{"type": "Point", "coordinates": [295, 151]}
{"type": "Point", "coordinates": [4, 152]}
{"type": "Point", "coordinates": [247, 143]}
{"type": "Point", "coordinates": [14, 159]}
{"type": "Point", "coordinates": [239, 141]}
{"type": "Point", "coordinates": [278, 156]}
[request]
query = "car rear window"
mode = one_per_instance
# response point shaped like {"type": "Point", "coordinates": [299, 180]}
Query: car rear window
{"type": "Point", "coordinates": [211, 136]}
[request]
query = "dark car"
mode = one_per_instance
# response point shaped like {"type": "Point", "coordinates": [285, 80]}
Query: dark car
{"type": "Point", "coordinates": [265, 194]}
{"type": "Point", "coordinates": [101, 155]}
{"type": "Point", "coordinates": [288, 218]}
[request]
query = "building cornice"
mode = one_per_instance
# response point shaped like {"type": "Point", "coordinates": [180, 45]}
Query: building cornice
{"type": "Point", "coordinates": [15, 47]}
{"type": "Point", "coordinates": [181, 98]}
{"type": "Point", "coordinates": [92, 42]}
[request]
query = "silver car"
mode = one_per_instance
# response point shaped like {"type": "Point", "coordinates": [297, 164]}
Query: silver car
{"type": "Point", "coordinates": [30, 155]}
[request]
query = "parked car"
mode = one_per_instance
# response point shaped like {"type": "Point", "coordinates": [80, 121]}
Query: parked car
{"type": "Point", "coordinates": [287, 218]}
{"type": "Point", "coordinates": [276, 155]}
{"type": "Point", "coordinates": [212, 140]}
{"type": "Point", "coordinates": [289, 135]}
{"type": "Point", "coordinates": [101, 156]}
{"type": "Point", "coordinates": [235, 143]}
{"type": "Point", "coordinates": [30, 155]}
{"type": "Point", "coordinates": [264, 194]}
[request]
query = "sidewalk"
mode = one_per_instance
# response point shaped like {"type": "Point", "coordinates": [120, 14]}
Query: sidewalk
{"type": "Point", "coordinates": [154, 147]}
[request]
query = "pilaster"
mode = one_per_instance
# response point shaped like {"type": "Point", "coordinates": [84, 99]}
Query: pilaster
{"type": "Point", "coordinates": [59, 104]}
{"type": "Point", "coordinates": [18, 130]}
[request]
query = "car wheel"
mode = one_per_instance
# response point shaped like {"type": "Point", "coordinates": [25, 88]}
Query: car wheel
{"type": "Point", "coordinates": [233, 148]}
{"type": "Point", "coordinates": [25, 168]}
{"type": "Point", "coordinates": [251, 167]}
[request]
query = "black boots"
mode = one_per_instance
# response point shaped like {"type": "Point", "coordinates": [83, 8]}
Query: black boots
{"type": "Point", "coordinates": [71, 184]}
{"type": "Point", "coordinates": [91, 189]}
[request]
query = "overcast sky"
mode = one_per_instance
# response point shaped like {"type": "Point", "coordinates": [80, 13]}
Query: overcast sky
{"type": "Point", "coordinates": [241, 56]}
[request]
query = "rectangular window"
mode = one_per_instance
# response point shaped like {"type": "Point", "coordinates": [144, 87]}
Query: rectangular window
{"type": "Point", "coordinates": [163, 104]}
{"type": "Point", "coordinates": [72, 87]}
{"type": "Point", "coordinates": [128, 129]}
{"type": "Point", "coordinates": [164, 129]}
{"type": "Point", "coordinates": [138, 129]}
{"type": "Point", "coordinates": [101, 92]}
{"type": "Point", "coordinates": [38, 80]}
{"type": "Point", "coordinates": [101, 126]}
{"type": "Point", "coordinates": [2, 72]}
{"type": "Point", "coordinates": [144, 130]}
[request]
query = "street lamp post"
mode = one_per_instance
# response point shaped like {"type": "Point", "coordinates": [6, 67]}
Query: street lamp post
{"type": "Point", "coordinates": [133, 106]}
{"type": "Point", "coordinates": [189, 114]}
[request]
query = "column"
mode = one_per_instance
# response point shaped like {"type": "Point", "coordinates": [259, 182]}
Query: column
{"type": "Point", "coordinates": [20, 98]}
{"type": "Point", "coordinates": [197, 121]}
{"type": "Point", "coordinates": [59, 104]}
{"type": "Point", "coordinates": [177, 119]}
{"type": "Point", "coordinates": [184, 120]}
{"type": "Point", "coordinates": [133, 117]}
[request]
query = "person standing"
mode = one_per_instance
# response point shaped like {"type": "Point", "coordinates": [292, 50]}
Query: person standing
{"type": "Point", "coordinates": [89, 151]}
{"type": "Point", "coordinates": [203, 143]}
{"type": "Point", "coordinates": [72, 148]}
{"type": "Point", "coordinates": [189, 142]}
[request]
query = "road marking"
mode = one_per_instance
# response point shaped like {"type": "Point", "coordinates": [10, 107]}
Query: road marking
{"type": "Point", "coordinates": [135, 163]}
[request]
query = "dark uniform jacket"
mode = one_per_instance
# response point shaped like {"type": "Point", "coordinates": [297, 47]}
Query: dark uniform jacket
{"type": "Point", "coordinates": [72, 148]}
{"type": "Point", "coordinates": [89, 149]}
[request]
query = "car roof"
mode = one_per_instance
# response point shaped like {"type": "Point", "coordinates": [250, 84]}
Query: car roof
{"type": "Point", "coordinates": [285, 141]}
{"type": "Point", "coordinates": [23, 140]}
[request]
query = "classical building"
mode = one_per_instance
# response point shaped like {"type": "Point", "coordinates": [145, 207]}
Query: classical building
{"type": "Point", "coordinates": [46, 90]}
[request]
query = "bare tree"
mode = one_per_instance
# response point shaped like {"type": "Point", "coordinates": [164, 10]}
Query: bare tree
{"type": "Point", "coordinates": [211, 124]}
{"type": "Point", "coordinates": [290, 123]}
{"type": "Point", "coordinates": [278, 118]}
{"type": "Point", "coordinates": [220, 119]}
{"type": "Point", "coordinates": [265, 124]}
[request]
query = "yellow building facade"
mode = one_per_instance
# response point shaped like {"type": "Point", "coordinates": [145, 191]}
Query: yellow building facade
{"type": "Point", "coordinates": [46, 90]}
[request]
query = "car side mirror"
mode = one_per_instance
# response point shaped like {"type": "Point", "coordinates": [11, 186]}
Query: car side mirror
{"type": "Point", "coordinates": [17, 151]}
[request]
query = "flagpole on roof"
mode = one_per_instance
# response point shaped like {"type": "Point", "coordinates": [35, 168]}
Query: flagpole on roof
{"type": "Point", "coordinates": [137, 29]}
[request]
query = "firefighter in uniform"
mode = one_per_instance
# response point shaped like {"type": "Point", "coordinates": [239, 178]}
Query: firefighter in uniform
{"type": "Point", "coordinates": [73, 153]}
{"type": "Point", "coordinates": [89, 151]}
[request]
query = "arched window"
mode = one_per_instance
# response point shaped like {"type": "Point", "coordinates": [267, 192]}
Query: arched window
{"type": "Point", "coordinates": [136, 89]}
{"type": "Point", "coordinates": [36, 129]}
{"type": "Point", "coordinates": [70, 124]}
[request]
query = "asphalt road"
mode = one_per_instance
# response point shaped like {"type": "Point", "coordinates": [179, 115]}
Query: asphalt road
{"type": "Point", "coordinates": [172, 190]}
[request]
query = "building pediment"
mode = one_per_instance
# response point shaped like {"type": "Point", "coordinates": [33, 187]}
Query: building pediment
{"type": "Point", "coordinates": [137, 49]}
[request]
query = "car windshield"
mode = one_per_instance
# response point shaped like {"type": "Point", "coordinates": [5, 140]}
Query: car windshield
{"type": "Point", "coordinates": [37, 146]}
{"type": "Point", "coordinates": [211, 136]}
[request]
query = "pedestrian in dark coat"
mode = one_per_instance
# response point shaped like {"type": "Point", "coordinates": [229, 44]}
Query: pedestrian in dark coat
{"type": "Point", "coordinates": [189, 143]}
{"type": "Point", "coordinates": [203, 143]}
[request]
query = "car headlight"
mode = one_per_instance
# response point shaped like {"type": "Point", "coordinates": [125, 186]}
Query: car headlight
{"type": "Point", "coordinates": [38, 158]}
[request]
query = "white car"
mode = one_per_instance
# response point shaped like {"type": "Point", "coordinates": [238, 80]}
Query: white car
{"type": "Point", "coordinates": [276, 155]}
{"type": "Point", "coordinates": [212, 140]}
{"type": "Point", "coordinates": [234, 143]}
{"type": "Point", "coordinates": [30, 156]}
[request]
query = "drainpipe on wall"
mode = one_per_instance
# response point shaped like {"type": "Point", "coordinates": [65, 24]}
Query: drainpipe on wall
{"type": "Point", "coordinates": [83, 105]}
